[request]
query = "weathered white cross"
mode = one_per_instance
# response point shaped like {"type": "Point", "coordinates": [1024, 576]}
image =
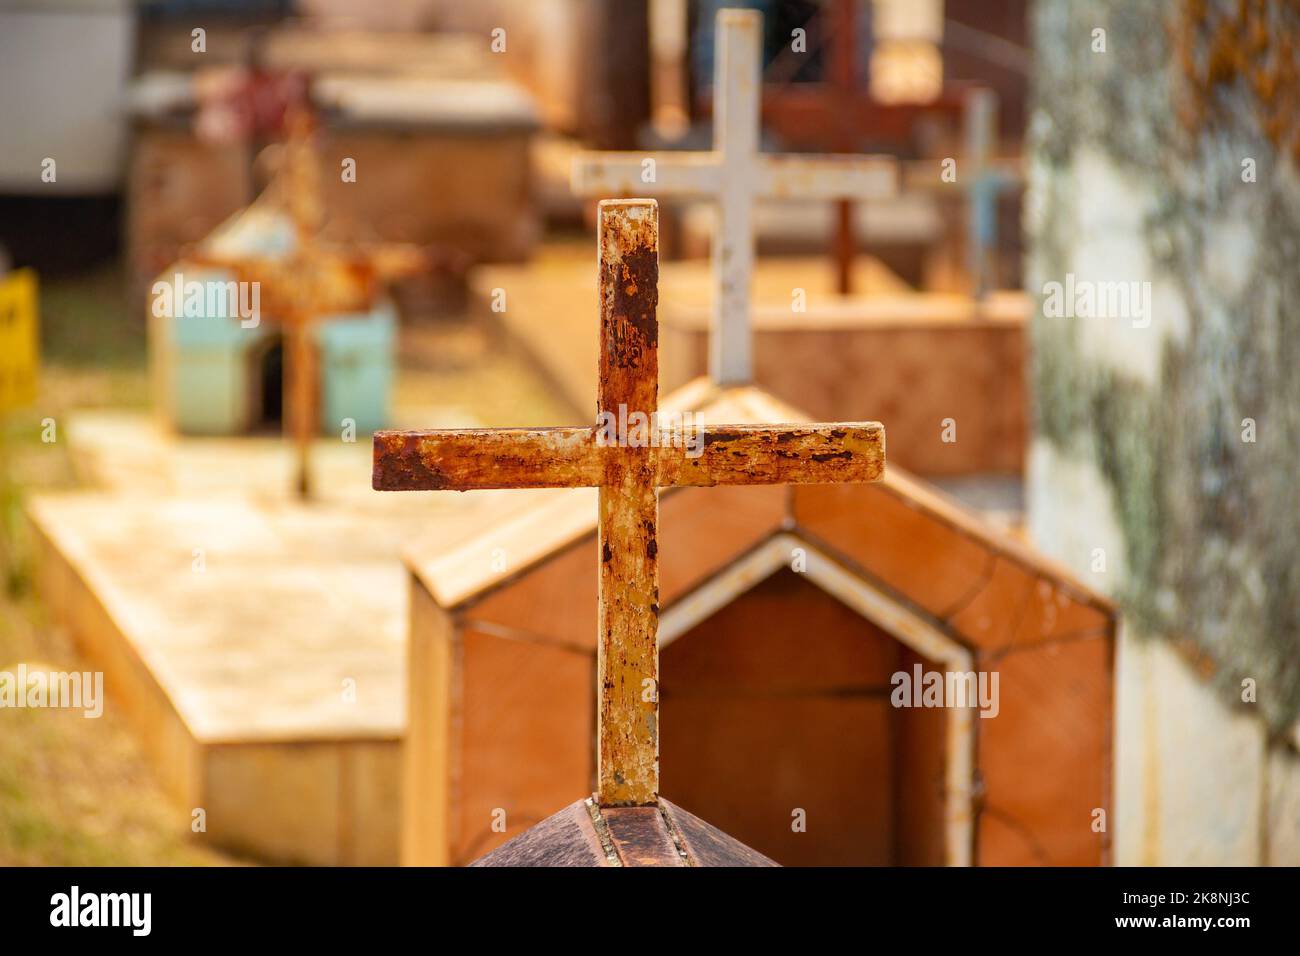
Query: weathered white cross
{"type": "Point", "coordinates": [734, 173]}
{"type": "Point", "coordinates": [629, 469]}
{"type": "Point", "coordinates": [990, 178]}
{"type": "Point", "coordinates": [982, 177]}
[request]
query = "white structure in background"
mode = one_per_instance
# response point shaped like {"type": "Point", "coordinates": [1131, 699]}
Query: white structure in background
{"type": "Point", "coordinates": [64, 66]}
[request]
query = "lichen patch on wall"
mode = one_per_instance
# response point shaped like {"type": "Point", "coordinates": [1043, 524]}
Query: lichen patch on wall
{"type": "Point", "coordinates": [1208, 506]}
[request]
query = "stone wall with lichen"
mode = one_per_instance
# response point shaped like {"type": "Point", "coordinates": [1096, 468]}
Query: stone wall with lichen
{"type": "Point", "coordinates": [1143, 156]}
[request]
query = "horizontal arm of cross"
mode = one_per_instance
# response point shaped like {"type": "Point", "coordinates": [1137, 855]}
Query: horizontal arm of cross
{"type": "Point", "coordinates": [298, 288]}
{"type": "Point", "coordinates": [390, 261]}
{"type": "Point", "coordinates": [280, 291]}
{"type": "Point", "coordinates": [480, 458]}
{"type": "Point", "coordinates": [815, 176]}
{"type": "Point", "coordinates": [245, 268]}
{"type": "Point", "coordinates": [466, 459]}
{"type": "Point", "coordinates": [670, 174]}
{"type": "Point", "coordinates": [816, 454]}
{"type": "Point", "coordinates": [927, 175]}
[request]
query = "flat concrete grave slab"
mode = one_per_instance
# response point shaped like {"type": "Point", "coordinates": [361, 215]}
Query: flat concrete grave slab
{"type": "Point", "coordinates": [257, 646]}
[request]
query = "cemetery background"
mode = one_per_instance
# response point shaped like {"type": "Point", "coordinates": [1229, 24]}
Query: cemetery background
{"type": "Point", "coordinates": [81, 791]}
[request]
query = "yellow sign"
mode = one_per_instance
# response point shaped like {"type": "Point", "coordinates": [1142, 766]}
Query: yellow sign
{"type": "Point", "coordinates": [19, 340]}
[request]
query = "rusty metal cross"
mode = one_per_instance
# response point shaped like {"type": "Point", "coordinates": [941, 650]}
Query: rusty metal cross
{"type": "Point", "coordinates": [311, 281]}
{"type": "Point", "coordinates": [629, 468]}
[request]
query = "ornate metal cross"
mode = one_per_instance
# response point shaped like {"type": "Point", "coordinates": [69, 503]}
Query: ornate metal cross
{"type": "Point", "coordinates": [628, 465]}
{"type": "Point", "coordinates": [734, 173]}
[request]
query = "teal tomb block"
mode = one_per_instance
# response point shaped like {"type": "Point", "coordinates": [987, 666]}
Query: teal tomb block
{"type": "Point", "coordinates": [220, 377]}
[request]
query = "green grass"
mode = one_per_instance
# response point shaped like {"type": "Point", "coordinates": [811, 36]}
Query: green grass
{"type": "Point", "coordinates": [87, 321]}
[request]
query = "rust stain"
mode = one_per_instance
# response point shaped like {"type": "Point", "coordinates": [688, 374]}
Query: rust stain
{"type": "Point", "coordinates": [629, 297]}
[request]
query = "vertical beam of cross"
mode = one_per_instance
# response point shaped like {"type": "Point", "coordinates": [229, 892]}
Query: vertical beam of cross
{"type": "Point", "coordinates": [736, 87]}
{"type": "Point", "coordinates": [982, 178]}
{"type": "Point", "coordinates": [300, 179]}
{"type": "Point", "coordinates": [844, 87]}
{"type": "Point", "coordinates": [628, 658]}
{"type": "Point", "coordinates": [734, 174]}
{"type": "Point", "coordinates": [303, 395]}
{"type": "Point", "coordinates": [980, 129]}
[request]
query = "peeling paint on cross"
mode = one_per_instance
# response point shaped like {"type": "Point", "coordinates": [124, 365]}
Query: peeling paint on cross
{"type": "Point", "coordinates": [629, 475]}
{"type": "Point", "coordinates": [734, 174]}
